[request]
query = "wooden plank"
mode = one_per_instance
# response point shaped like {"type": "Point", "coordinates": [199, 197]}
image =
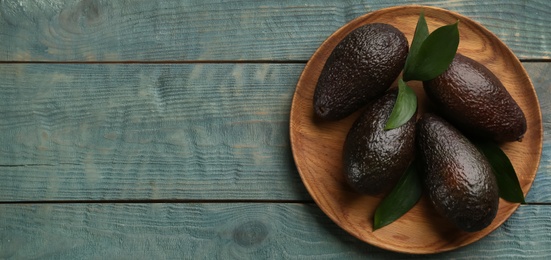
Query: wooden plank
{"type": "Point", "coordinates": [180, 131]}
{"type": "Point", "coordinates": [98, 30]}
{"type": "Point", "coordinates": [226, 231]}
{"type": "Point", "coordinates": [147, 132]}
{"type": "Point", "coordinates": [539, 74]}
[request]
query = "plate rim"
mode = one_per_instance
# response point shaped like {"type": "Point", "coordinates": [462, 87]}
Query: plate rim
{"type": "Point", "coordinates": [352, 24]}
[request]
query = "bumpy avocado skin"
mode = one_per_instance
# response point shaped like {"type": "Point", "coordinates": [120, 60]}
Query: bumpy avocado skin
{"type": "Point", "coordinates": [458, 178]}
{"type": "Point", "coordinates": [360, 68]}
{"type": "Point", "coordinates": [374, 158]}
{"type": "Point", "coordinates": [474, 100]}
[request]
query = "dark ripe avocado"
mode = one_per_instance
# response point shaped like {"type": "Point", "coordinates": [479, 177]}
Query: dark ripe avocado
{"type": "Point", "coordinates": [458, 178]}
{"type": "Point", "coordinates": [474, 100]}
{"type": "Point", "coordinates": [374, 158]}
{"type": "Point", "coordinates": [360, 68]}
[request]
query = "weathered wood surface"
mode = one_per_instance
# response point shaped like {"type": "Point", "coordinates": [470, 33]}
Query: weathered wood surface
{"type": "Point", "coordinates": [103, 30]}
{"type": "Point", "coordinates": [210, 138]}
{"type": "Point", "coordinates": [203, 131]}
{"type": "Point", "coordinates": [185, 131]}
{"type": "Point", "coordinates": [227, 231]}
{"type": "Point", "coordinates": [539, 74]}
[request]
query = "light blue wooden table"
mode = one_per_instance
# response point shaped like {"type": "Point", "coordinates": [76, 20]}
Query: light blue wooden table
{"type": "Point", "coordinates": [159, 129]}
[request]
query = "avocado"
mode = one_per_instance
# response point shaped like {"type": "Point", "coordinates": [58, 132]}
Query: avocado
{"type": "Point", "coordinates": [472, 98]}
{"type": "Point", "coordinates": [360, 68]}
{"type": "Point", "coordinates": [457, 176]}
{"type": "Point", "coordinates": [374, 158]}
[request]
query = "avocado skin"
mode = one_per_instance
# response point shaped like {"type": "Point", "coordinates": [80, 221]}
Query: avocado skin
{"type": "Point", "coordinates": [458, 177]}
{"type": "Point", "coordinates": [374, 159]}
{"type": "Point", "coordinates": [475, 101]}
{"type": "Point", "coordinates": [360, 68]}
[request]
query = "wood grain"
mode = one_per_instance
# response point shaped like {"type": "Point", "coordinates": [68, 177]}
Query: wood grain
{"type": "Point", "coordinates": [226, 231]}
{"type": "Point", "coordinates": [317, 146]}
{"type": "Point", "coordinates": [143, 30]}
{"type": "Point", "coordinates": [147, 132]}
{"type": "Point", "coordinates": [197, 132]}
{"type": "Point", "coordinates": [106, 132]}
{"type": "Point", "coordinates": [542, 83]}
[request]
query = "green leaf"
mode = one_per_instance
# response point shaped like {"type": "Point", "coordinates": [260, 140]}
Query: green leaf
{"type": "Point", "coordinates": [400, 200]}
{"type": "Point", "coordinates": [421, 33]}
{"type": "Point", "coordinates": [404, 108]}
{"type": "Point", "coordinates": [435, 54]}
{"type": "Point", "coordinates": [507, 181]}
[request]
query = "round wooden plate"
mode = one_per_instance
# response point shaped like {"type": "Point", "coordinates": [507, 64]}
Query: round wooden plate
{"type": "Point", "coordinates": [317, 145]}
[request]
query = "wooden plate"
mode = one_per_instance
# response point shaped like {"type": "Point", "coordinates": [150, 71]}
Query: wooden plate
{"type": "Point", "coordinates": [317, 145]}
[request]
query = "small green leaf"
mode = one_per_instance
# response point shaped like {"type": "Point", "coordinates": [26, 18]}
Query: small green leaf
{"type": "Point", "coordinates": [404, 108]}
{"type": "Point", "coordinates": [435, 54]}
{"type": "Point", "coordinates": [507, 181]}
{"type": "Point", "coordinates": [400, 200]}
{"type": "Point", "coordinates": [421, 33]}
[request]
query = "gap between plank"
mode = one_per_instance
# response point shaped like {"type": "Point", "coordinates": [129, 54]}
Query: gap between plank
{"type": "Point", "coordinates": [189, 201]}
{"type": "Point", "coordinates": [160, 201]}
{"type": "Point", "coordinates": [163, 62]}
{"type": "Point", "coordinates": [198, 62]}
